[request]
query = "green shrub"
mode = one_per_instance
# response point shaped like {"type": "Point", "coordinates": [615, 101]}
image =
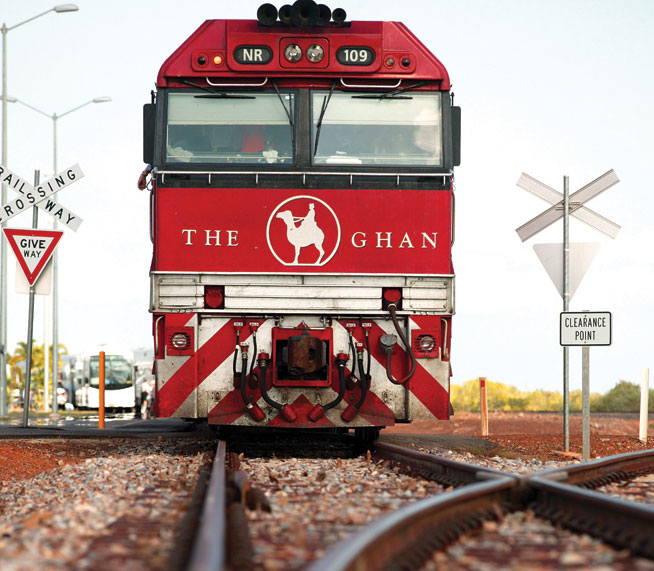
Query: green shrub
{"type": "Point", "coordinates": [624, 397]}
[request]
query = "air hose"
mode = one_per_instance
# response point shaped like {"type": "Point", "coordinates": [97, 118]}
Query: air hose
{"type": "Point", "coordinates": [252, 408]}
{"type": "Point", "coordinates": [353, 409]}
{"type": "Point", "coordinates": [364, 377]}
{"type": "Point", "coordinates": [318, 411]}
{"type": "Point", "coordinates": [238, 335]}
{"type": "Point", "coordinates": [340, 365]}
{"type": "Point", "coordinates": [263, 366]}
{"type": "Point", "coordinates": [254, 350]}
{"type": "Point", "coordinates": [244, 370]}
{"type": "Point", "coordinates": [388, 343]}
{"type": "Point", "coordinates": [286, 411]}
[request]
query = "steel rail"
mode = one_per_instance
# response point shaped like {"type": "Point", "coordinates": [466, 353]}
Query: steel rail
{"type": "Point", "coordinates": [431, 467]}
{"type": "Point", "coordinates": [559, 495]}
{"type": "Point", "coordinates": [209, 548]}
{"type": "Point", "coordinates": [406, 537]}
{"type": "Point", "coordinates": [618, 522]}
{"type": "Point", "coordinates": [603, 470]}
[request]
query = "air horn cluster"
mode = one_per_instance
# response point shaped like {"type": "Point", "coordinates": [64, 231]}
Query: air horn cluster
{"type": "Point", "coordinates": [302, 14]}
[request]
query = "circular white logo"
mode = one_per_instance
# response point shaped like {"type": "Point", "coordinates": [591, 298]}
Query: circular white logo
{"type": "Point", "coordinates": [303, 231]}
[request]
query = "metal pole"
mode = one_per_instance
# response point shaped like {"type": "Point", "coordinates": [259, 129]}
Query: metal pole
{"type": "Point", "coordinates": [566, 303]}
{"type": "Point", "coordinates": [101, 390]}
{"type": "Point", "coordinates": [585, 402]}
{"type": "Point", "coordinates": [55, 292]}
{"type": "Point", "coordinates": [644, 396]}
{"type": "Point", "coordinates": [30, 325]}
{"type": "Point", "coordinates": [3, 245]}
{"type": "Point", "coordinates": [483, 406]}
{"type": "Point", "coordinates": [46, 354]}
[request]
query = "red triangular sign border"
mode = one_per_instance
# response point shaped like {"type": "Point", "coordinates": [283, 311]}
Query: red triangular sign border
{"type": "Point", "coordinates": [13, 233]}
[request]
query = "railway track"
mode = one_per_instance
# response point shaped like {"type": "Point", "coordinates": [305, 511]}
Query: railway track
{"type": "Point", "coordinates": [128, 500]}
{"type": "Point", "coordinates": [476, 498]}
{"type": "Point", "coordinates": [405, 538]}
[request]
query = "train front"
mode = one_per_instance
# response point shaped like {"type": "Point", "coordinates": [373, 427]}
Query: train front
{"type": "Point", "coordinates": [302, 222]}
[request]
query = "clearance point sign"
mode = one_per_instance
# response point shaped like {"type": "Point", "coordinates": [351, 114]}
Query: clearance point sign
{"type": "Point", "coordinates": [585, 328]}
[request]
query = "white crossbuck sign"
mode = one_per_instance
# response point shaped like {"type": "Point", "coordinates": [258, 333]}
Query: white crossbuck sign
{"type": "Point", "coordinates": [40, 196]}
{"type": "Point", "coordinates": [576, 201]}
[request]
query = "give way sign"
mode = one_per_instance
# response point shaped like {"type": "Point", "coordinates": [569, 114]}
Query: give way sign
{"type": "Point", "coordinates": [33, 249]}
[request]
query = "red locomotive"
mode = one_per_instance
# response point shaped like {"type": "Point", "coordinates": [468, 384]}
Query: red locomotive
{"type": "Point", "coordinates": [302, 216]}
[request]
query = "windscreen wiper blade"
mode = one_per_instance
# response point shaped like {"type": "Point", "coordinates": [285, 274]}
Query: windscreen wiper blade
{"type": "Point", "coordinates": [383, 96]}
{"type": "Point", "coordinates": [394, 93]}
{"type": "Point", "coordinates": [224, 96]}
{"type": "Point", "coordinates": [213, 94]}
{"type": "Point", "coordinates": [325, 103]}
{"type": "Point", "coordinates": [288, 113]}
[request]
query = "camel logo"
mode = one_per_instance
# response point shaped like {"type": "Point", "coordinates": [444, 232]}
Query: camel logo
{"type": "Point", "coordinates": [303, 231]}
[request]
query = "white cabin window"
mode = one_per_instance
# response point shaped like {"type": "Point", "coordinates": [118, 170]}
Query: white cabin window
{"type": "Point", "coordinates": [231, 128]}
{"type": "Point", "coordinates": [377, 129]}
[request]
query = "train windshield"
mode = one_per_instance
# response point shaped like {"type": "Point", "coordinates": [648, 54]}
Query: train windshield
{"type": "Point", "coordinates": [117, 372]}
{"type": "Point", "coordinates": [230, 128]}
{"type": "Point", "coordinates": [377, 129]}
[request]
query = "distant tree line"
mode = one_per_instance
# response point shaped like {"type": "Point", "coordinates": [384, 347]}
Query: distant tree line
{"type": "Point", "coordinates": [623, 397]}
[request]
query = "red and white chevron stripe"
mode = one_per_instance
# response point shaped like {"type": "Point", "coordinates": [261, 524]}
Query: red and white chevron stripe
{"type": "Point", "coordinates": [202, 385]}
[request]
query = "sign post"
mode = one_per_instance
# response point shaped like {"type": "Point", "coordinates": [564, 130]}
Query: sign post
{"type": "Point", "coordinates": [644, 397]}
{"type": "Point", "coordinates": [564, 205]}
{"type": "Point", "coordinates": [585, 329]}
{"type": "Point", "coordinates": [34, 250]}
{"type": "Point", "coordinates": [30, 324]}
{"type": "Point", "coordinates": [566, 306]}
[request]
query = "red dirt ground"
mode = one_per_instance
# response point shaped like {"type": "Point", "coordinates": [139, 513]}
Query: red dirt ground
{"type": "Point", "coordinates": [540, 435]}
{"type": "Point", "coordinates": [527, 435]}
{"type": "Point", "coordinates": [25, 458]}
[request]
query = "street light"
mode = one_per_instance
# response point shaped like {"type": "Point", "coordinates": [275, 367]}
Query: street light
{"type": "Point", "coordinates": [55, 265]}
{"type": "Point", "coordinates": [55, 117]}
{"type": "Point", "coordinates": [61, 8]}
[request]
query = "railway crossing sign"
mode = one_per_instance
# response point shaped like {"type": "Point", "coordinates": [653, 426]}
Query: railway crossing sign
{"type": "Point", "coordinates": [558, 267]}
{"type": "Point", "coordinates": [577, 208]}
{"type": "Point", "coordinates": [41, 195]}
{"type": "Point", "coordinates": [33, 249]}
{"type": "Point", "coordinates": [582, 255]}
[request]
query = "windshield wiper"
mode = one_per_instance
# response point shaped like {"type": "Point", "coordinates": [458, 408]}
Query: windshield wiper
{"type": "Point", "coordinates": [395, 94]}
{"type": "Point", "coordinates": [325, 102]}
{"type": "Point", "coordinates": [224, 96]}
{"type": "Point", "coordinates": [288, 113]}
{"type": "Point", "coordinates": [213, 94]}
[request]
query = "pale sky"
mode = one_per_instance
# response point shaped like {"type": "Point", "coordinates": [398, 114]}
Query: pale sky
{"type": "Point", "coordinates": [550, 88]}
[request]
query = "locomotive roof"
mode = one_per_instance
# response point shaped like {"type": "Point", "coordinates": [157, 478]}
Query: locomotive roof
{"type": "Point", "coordinates": [211, 52]}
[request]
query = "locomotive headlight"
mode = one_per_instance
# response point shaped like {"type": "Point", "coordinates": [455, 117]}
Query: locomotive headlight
{"type": "Point", "coordinates": [293, 53]}
{"type": "Point", "coordinates": [315, 53]}
{"type": "Point", "coordinates": [426, 343]}
{"type": "Point", "coordinates": [180, 341]}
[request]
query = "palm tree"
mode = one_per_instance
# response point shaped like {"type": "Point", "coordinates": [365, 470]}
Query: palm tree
{"type": "Point", "coordinates": [20, 356]}
{"type": "Point", "coordinates": [16, 380]}
{"type": "Point", "coordinates": [17, 373]}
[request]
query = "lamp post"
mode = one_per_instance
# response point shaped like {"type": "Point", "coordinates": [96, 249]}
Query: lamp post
{"type": "Point", "coordinates": [55, 265]}
{"type": "Point", "coordinates": [61, 8]}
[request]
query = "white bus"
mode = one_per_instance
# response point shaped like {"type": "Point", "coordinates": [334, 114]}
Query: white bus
{"type": "Point", "coordinates": [119, 380]}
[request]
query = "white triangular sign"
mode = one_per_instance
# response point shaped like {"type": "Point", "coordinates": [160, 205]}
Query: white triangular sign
{"type": "Point", "coordinates": [42, 286]}
{"type": "Point", "coordinates": [33, 248]}
{"type": "Point", "coordinates": [581, 257]}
